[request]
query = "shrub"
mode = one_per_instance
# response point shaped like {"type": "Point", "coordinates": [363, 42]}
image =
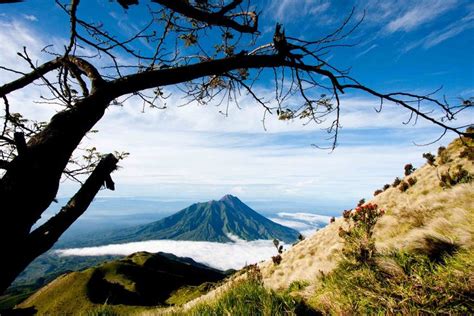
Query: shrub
{"type": "Point", "coordinates": [278, 246]}
{"type": "Point", "coordinates": [403, 186]}
{"type": "Point", "coordinates": [445, 180]}
{"type": "Point", "coordinates": [358, 242]}
{"type": "Point", "coordinates": [460, 175]}
{"type": "Point", "coordinates": [412, 181]}
{"type": "Point", "coordinates": [409, 169]}
{"type": "Point", "coordinates": [441, 150]}
{"type": "Point", "coordinates": [396, 182]}
{"type": "Point", "coordinates": [377, 192]}
{"type": "Point", "coordinates": [467, 152]}
{"type": "Point", "coordinates": [276, 259]}
{"type": "Point", "coordinates": [443, 156]}
{"type": "Point", "coordinates": [430, 158]}
{"type": "Point", "coordinates": [386, 187]}
{"type": "Point", "coordinates": [332, 220]}
{"type": "Point", "coordinates": [361, 202]}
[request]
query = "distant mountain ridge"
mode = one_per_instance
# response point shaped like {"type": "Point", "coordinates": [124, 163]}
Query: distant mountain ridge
{"type": "Point", "coordinates": [214, 221]}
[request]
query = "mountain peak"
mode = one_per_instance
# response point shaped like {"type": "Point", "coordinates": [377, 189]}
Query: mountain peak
{"type": "Point", "coordinates": [229, 197]}
{"type": "Point", "coordinates": [210, 221]}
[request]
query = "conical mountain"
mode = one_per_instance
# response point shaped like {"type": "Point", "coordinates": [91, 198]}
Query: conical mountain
{"type": "Point", "coordinates": [217, 221]}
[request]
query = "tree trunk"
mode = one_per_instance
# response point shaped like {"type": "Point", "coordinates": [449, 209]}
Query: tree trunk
{"type": "Point", "coordinates": [44, 237]}
{"type": "Point", "coordinates": [32, 179]}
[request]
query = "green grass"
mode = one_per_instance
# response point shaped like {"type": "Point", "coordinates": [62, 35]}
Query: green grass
{"type": "Point", "coordinates": [188, 293]}
{"type": "Point", "coordinates": [139, 282]}
{"type": "Point", "coordinates": [297, 285]}
{"type": "Point", "coordinates": [10, 299]}
{"type": "Point", "coordinates": [249, 297]}
{"type": "Point", "coordinates": [400, 283]}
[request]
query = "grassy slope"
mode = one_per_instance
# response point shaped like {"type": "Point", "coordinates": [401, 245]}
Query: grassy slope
{"type": "Point", "coordinates": [126, 286]}
{"type": "Point", "coordinates": [399, 283]}
{"type": "Point", "coordinates": [425, 210]}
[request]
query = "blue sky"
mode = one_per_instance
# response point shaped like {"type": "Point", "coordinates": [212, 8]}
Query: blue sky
{"type": "Point", "coordinates": [193, 152]}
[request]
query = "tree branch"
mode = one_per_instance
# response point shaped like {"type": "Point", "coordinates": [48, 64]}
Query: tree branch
{"type": "Point", "coordinates": [84, 66]}
{"type": "Point", "coordinates": [218, 18]}
{"type": "Point", "coordinates": [29, 77]}
{"type": "Point", "coordinates": [211, 18]}
{"type": "Point", "coordinates": [4, 164]}
{"type": "Point", "coordinates": [20, 143]}
{"type": "Point", "coordinates": [44, 237]}
{"type": "Point", "coordinates": [169, 76]}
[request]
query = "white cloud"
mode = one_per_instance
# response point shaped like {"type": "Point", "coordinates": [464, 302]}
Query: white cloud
{"type": "Point", "coordinates": [307, 217]}
{"type": "Point", "coordinates": [173, 153]}
{"type": "Point", "coordinates": [403, 15]}
{"type": "Point", "coordinates": [218, 255]}
{"type": "Point", "coordinates": [371, 47]}
{"type": "Point", "coordinates": [287, 10]}
{"type": "Point", "coordinates": [451, 30]}
{"type": "Point", "coordinates": [194, 151]}
{"type": "Point", "coordinates": [299, 226]}
{"type": "Point", "coordinates": [421, 13]}
{"type": "Point", "coordinates": [30, 17]}
{"type": "Point", "coordinates": [305, 223]}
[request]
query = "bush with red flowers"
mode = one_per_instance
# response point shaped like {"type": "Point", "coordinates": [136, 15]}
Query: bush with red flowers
{"type": "Point", "coordinates": [359, 244]}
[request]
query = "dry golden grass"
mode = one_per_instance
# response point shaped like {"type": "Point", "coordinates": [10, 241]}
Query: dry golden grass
{"type": "Point", "coordinates": [425, 209]}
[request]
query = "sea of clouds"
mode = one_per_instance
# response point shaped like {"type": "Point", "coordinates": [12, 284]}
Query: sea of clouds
{"type": "Point", "coordinates": [231, 255]}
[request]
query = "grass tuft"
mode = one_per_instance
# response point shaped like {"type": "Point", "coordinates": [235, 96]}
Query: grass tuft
{"type": "Point", "coordinates": [400, 283]}
{"type": "Point", "coordinates": [248, 296]}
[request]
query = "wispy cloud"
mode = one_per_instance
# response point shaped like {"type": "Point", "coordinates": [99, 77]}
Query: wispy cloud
{"type": "Point", "coordinates": [218, 255]}
{"type": "Point", "coordinates": [451, 30]}
{"type": "Point", "coordinates": [403, 15]}
{"type": "Point", "coordinates": [287, 10]}
{"type": "Point", "coordinates": [366, 50]}
{"type": "Point", "coordinates": [30, 17]}
{"type": "Point", "coordinates": [420, 13]}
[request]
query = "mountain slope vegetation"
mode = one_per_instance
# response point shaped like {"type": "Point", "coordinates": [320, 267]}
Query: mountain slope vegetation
{"type": "Point", "coordinates": [133, 283]}
{"type": "Point", "coordinates": [424, 210]}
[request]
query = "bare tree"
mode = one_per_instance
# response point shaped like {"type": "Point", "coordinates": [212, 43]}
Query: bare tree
{"type": "Point", "coordinates": [179, 53]}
